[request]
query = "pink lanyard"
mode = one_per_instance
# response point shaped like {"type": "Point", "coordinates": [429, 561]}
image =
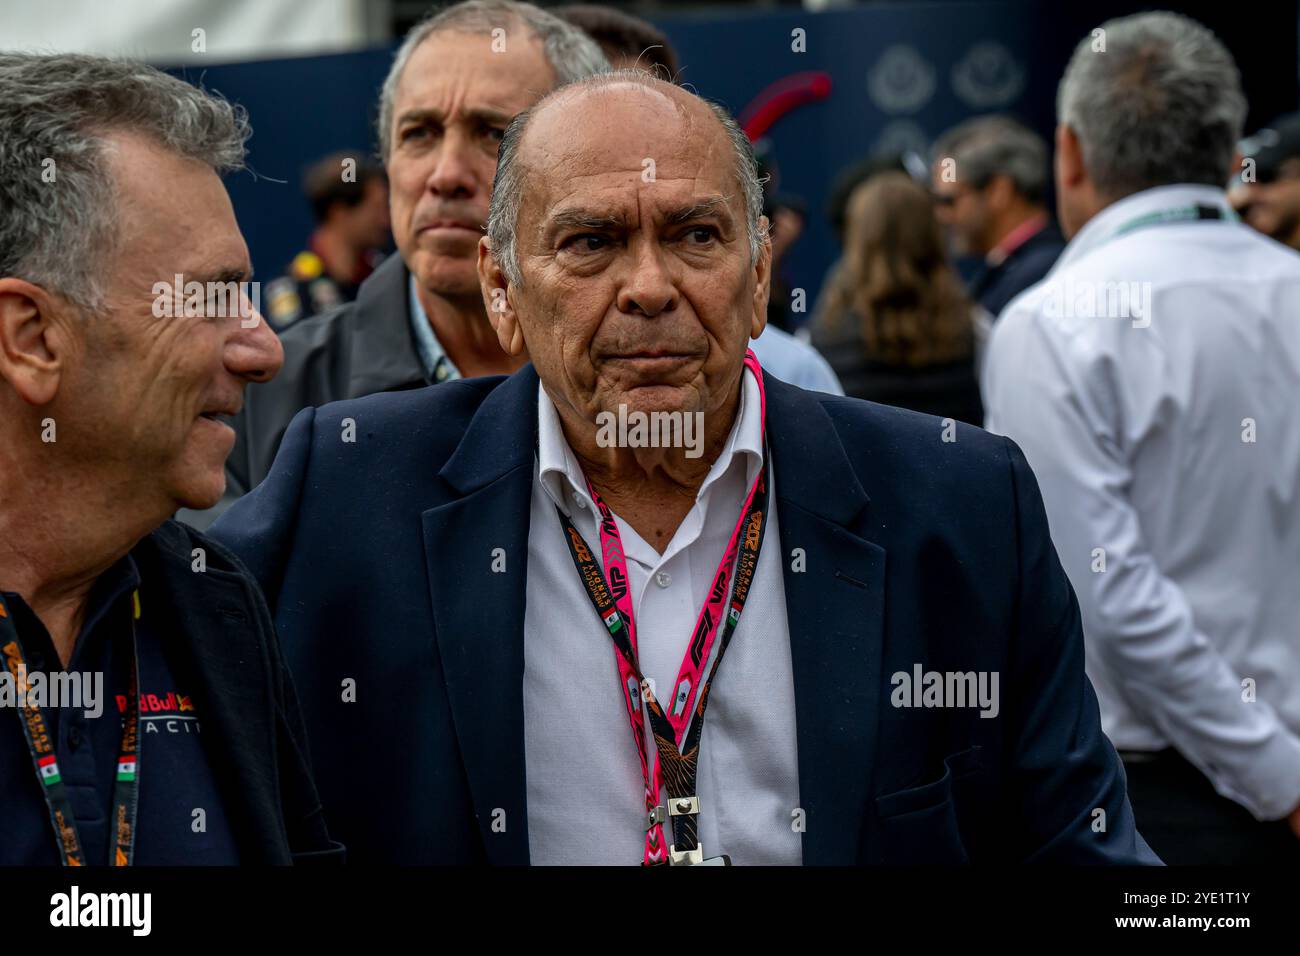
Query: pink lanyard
{"type": "Point", "coordinates": [697, 653]}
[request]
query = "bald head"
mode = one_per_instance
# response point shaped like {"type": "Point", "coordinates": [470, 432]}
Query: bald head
{"type": "Point", "coordinates": [626, 251]}
{"type": "Point", "coordinates": [597, 123]}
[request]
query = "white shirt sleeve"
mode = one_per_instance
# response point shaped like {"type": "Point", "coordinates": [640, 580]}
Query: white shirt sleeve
{"type": "Point", "coordinates": [1060, 400]}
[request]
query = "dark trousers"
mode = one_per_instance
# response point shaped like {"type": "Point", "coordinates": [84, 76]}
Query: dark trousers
{"type": "Point", "coordinates": [1186, 822]}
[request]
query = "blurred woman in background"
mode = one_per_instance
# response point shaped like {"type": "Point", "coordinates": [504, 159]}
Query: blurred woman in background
{"type": "Point", "coordinates": [896, 325]}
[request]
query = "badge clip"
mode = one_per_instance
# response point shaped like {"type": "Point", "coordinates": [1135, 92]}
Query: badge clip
{"type": "Point", "coordinates": [695, 857]}
{"type": "Point", "coordinates": [684, 806]}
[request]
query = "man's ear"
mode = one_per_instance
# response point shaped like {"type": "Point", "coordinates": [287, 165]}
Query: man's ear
{"type": "Point", "coordinates": [762, 281]}
{"type": "Point", "coordinates": [1070, 170]}
{"type": "Point", "coordinates": [31, 347]}
{"type": "Point", "coordinates": [1000, 192]}
{"type": "Point", "coordinates": [496, 300]}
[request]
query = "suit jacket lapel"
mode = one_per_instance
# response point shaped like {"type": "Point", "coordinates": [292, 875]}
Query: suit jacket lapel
{"type": "Point", "coordinates": [835, 610]}
{"type": "Point", "coordinates": [476, 551]}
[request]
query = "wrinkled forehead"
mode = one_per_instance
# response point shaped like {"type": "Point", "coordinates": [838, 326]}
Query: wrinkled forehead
{"type": "Point", "coordinates": [626, 143]}
{"type": "Point", "coordinates": [173, 213]}
{"type": "Point", "coordinates": [461, 71]}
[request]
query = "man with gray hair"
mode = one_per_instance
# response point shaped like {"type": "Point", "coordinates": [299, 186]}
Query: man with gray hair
{"type": "Point", "coordinates": [1151, 380]}
{"type": "Point", "coordinates": [990, 189]}
{"type": "Point", "coordinates": [457, 80]}
{"type": "Point", "coordinates": [561, 559]}
{"type": "Point", "coordinates": [127, 329]}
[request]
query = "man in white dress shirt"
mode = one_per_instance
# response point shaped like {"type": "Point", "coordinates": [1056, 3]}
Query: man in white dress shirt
{"type": "Point", "coordinates": [1152, 380]}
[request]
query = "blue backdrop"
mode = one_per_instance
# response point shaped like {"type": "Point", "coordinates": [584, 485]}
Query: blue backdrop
{"type": "Point", "coordinates": [901, 73]}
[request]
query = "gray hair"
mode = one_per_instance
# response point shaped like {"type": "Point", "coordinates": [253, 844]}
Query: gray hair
{"type": "Point", "coordinates": [57, 197]}
{"type": "Point", "coordinates": [1161, 104]}
{"type": "Point", "coordinates": [508, 188]}
{"type": "Point", "coordinates": [571, 53]}
{"type": "Point", "coordinates": [989, 146]}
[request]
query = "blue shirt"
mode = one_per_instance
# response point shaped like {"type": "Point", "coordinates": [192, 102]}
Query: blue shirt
{"type": "Point", "coordinates": [438, 367]}
{"type": "Point", "coordinates": [794, 361]}
{"type": "Point", "coordinates": [175, 777]}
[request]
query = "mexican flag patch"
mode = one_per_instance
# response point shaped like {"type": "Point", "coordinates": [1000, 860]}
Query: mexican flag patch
{"type": "Point", "coordinates": [49, 770]}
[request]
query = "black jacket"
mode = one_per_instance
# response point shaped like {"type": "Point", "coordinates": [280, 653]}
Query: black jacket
{"type": "Point", "coordinates": [994, 287]}
{"type": "Point", "coordinates": [359, 348]}
{"type": "Point", "coordinates": [258, 745]}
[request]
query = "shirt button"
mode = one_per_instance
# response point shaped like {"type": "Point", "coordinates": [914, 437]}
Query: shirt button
{"type": "Point", "coordinates": [74, 738]}
{"type": "Point", "coordinates": [663, 579]}
{"type": "Point", "coordinates": [582, 505]}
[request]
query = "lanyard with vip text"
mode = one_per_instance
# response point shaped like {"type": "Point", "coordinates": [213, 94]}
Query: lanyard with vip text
{"type": "Point", "coordinates": [42, 746]}
{"type": "Point", "coordinates": [676, 734]}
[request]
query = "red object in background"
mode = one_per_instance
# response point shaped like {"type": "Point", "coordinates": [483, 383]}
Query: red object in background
{"type": "Point", "coordinates": [780, 98]}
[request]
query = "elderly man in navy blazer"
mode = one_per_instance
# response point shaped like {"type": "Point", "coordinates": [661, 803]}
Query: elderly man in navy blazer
{"type": "Point", "coordinates": [640, 602]}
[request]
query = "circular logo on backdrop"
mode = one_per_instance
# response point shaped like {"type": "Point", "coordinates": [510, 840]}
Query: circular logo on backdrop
{"type": "Point", "coordinates": [901, 81]}
{"type": "Point", "coordinates": [988, 76]}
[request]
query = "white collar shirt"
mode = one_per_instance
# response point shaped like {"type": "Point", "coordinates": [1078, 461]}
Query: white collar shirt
{"type": "Point", "coordinates": [585, 793]}
{"type": "Point", "coordinates": [1167, 447]}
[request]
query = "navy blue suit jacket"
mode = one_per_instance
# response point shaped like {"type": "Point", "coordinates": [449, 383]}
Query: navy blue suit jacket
{"type": "Point", "coordinates": [377, 559]}
{"type": "Point", "coordinates": [993, 288]}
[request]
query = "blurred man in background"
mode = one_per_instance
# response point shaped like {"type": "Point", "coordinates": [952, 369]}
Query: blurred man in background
{"type": "Point", "coordinates": [349, 202]}
{"type": "Point", "coordinates": [1151, 381]}
{"type": "Point", "coordinates": [990, 188]}
{"type": "Point", "coordinates": [453, 88]}
{"type": "Point", "coordinates": [1271, 203]}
